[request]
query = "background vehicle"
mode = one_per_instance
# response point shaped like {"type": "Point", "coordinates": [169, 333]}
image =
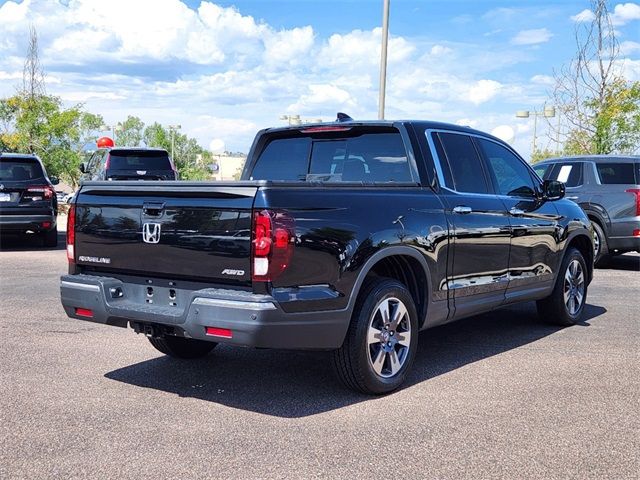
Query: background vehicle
{"type": "Point", "coordinates": [348, 237]}
{"type": "Point", "coordinates": [607, 187]}
{"type": "Point", "coordinates": [28, 200]}
{"type": "Point", "coordinates": [120, 163]}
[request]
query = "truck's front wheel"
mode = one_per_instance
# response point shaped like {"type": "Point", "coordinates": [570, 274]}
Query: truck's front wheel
{"type": "Point", "coordinates": [381, 341]}
{"type": "Point", "coordinates": [179, 347]}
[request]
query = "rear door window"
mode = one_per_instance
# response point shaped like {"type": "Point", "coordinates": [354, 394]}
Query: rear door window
{"type": "Point", "coordinates": [19, 169]}
{"type": "Point", "coordinates": [465, 166]}
{"type": "Point", "coordinates": [378, 157]}
{"type": "Point", "coordinates": [616, 173]}
{"type": "Point", "coordinates": [139, 160]}
{"type": "Point", "coordinates": [568, 173]}
{"type": "Point", "coordinates": [543, 170]}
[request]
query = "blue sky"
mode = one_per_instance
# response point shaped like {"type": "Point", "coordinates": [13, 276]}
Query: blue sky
{"type": "Point", "coordinates": [225, 69]}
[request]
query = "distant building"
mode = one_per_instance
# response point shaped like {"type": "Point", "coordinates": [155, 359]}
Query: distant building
{"type": "Point", "coordinates": [229, 166]}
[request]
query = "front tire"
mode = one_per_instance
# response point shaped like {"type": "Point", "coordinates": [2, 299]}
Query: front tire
{"type": "Point", "coordinates": [565, 305]}
{"type": "Point", "coordinates": [601, 248]}
{"type": "Point", "coordinates": [382, 339]}
{"type": "Point", "coordinates": [179, 347]}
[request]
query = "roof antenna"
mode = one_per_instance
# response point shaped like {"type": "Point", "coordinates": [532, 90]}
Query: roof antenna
{"type": "Point", "coordinates": [343, 117]}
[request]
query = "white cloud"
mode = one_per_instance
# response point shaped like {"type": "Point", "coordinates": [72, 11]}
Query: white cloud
{"type": "Point", "coordinates": [438, 50]}
{"type": "Point", "coordinates": [363, 47]}
{"type": "Point", "coordinates": [543, 79]}
{"type": "Point", "coordinates": [624, 13]}
{"type": "Point", "coordinates": [323, 98]}
{"type": "Point", "coordinates": [584, 16]}
{"type": "Point", "coordinates": [532, 37]}
{"type": "Point", "coordinates": [483, 91]}
{"type": "Point", "coordinates": [628, 47]}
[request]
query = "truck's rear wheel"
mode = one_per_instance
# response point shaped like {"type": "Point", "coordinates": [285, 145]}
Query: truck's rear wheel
{"type": "Point", "coordinates": [566, 303]}
{"type": "Point", "coordinates": [381, 342]}
{"type": "Point", "coordinates": [601, 248]}
{"type": "Point", "coordinates": [179, 347]}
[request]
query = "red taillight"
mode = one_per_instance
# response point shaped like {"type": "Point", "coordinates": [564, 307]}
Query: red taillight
{"type": "Point", "coordinates": [219, 332]}
{"type": "Point", "coordinates": [84, 312]}
{"type": "Point", "coordinates": [272, 248]}
{"type": "Point", "coordinates": [71, 234]}
{"type": "Point", "coordinates": [636, 192]}
{"type": "Point", "coordinates": [636, 232]}
{"type": "Point", "coordinates": [42, 191]}
{"type": "Point", "coordinates": [327, 128]}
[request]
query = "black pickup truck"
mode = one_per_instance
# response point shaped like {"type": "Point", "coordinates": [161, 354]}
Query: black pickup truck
{"type": "Point", "coordinates": [347, 236]}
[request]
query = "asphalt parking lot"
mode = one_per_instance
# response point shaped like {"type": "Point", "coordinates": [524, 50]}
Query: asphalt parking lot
{"type": "Point", "coordinates": [496, 396]}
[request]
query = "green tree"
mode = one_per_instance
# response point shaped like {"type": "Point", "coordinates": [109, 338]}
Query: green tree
{"type": "Point", "coordinates": [540, 155]}
{"type": "Point", "coordinates": [129, 132]}
{"type": "Point", "coordinates": [601, 107]}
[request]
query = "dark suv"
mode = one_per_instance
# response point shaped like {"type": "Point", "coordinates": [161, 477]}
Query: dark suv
{"type": "Point", "coordinates": [121, 163]}
{"type": "Point", "coordinates": [27, 198]}
{"type": "Point", "coordinates": [608, 189]}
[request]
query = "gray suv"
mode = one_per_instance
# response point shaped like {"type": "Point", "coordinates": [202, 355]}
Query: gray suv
{"type": "Point", "coordinates": [607, 188]}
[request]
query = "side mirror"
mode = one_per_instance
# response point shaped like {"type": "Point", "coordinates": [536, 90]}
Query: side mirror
{"type": "Point", "coordinates": [83, 167]}
{"type": "Point", "coordinates": [552, 190]}
{"type": "Point", "coordinates": [54, 180]}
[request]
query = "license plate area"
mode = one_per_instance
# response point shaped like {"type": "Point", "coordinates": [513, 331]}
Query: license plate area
{"type": "Point", "coordinates": [167, 294]}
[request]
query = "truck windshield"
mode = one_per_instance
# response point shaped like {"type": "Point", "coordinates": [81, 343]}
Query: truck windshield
{"type": "Point", "coordinates": [366, 157]}
{"type": "Point", "coordinates": [139, 160]}
{"type": "Point", "coordinates": [19, 169]}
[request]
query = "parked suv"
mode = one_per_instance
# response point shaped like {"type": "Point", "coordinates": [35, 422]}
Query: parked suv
{"type": "Point", "coordinates": [120, 163]}
{"type": "Point", "coordinates": [28, 200]}
{"type": "Point", "coordinates": [349, 237]}
{"type": "Point", "coordinates": [608, 189]}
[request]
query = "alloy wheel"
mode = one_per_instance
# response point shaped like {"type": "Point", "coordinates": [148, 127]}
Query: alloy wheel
{"type": "Point", "coordinates": [574, 287]}
{"type": "Point", "coordinates": [389, 337]}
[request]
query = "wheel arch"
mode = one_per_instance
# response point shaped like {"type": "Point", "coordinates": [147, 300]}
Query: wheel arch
{"type": "Point", "coordinates": [584, 245]}
{"type": "Point", "coordinates": [404, 264]}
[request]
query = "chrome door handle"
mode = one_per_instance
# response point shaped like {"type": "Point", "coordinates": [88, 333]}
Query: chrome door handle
{"type": "Point", "coordinates": [572, 198]}
{"type": "Point", "coordinates": [462, 209]}
{"type": "Point", "coordinates": [516, 212]}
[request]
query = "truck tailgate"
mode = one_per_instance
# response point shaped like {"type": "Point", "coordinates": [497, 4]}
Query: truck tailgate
{"type": "Point", "coordinates": [166, 229]}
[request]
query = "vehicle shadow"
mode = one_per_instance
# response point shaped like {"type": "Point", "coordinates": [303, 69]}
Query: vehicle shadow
{"type": "Point", "coordinates": [21, 243]}
{"type": "Point", "coordinates": [293, 384]}
{"type": "Point", "coordinates": [628, 261]}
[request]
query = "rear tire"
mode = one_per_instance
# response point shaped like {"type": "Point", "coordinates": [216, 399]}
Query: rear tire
{"type": "Point", "coordinates": [179, 347]}
{"type": "Point", "coordinates": [601, 253]}
{"type": "Point", "coordinates": [565, 305]}
{"type": "Point", "coordinates": [382, 339]}
{"type": "Point", "coordinates": [50, 238]}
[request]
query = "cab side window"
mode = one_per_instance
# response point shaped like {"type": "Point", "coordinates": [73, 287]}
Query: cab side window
{"type": "Point", "coordinates": [568, 173]}
{"type": "Point", "coordinates": [463, 162]}
{"type": "Point", "coordinates": [510, 175]}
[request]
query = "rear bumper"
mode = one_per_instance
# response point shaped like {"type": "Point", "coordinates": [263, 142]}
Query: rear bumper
{"type": "Point", "coordinates": [624, 244]}
{"type": "Point", "coordinates": [255, 320]}
{"type": "Point", "coordinates": [27, 222]}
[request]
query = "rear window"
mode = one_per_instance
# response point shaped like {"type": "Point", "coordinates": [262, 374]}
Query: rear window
{"type": "Point", "coordinates": [137, 160]}
{"type": "Point", "coordinates": [18, 169]}
{"type": "Point", "coordinates": [366, 157]}
{"type": "Point", "coordinates": [616, 173]}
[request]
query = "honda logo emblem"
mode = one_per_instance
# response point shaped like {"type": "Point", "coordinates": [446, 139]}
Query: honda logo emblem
{"type": "Point", "coordinates": [151, 232]}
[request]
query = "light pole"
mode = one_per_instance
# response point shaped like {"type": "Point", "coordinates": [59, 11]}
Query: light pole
{"type": "Point", "coordinates": [383, 58]}
{"type": "Point", "coordinates": [173, 129]}
{"type": "Point", "coordinates": [547, 112]}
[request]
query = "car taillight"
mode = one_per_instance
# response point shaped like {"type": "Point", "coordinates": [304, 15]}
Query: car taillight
{"type": "Point", "coordinates": [272, 245]}
{"type": "Point", "coordinates": [636, 192]}
{"type": "Point", "coordinates": [39, 192]}
{"type": "Point", "coordinates": [71, 234]}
